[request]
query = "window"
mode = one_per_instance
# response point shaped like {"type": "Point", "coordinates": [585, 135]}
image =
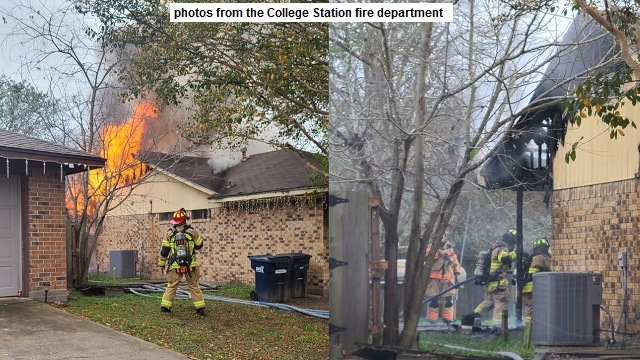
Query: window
{"type": "Point", "coordinates": [165, 216]}
{"type": "Point", "coordinates": [200, 214]}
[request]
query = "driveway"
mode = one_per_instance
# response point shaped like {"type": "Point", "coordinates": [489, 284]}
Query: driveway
{"type": "Point", "coordinates": [32, 330]}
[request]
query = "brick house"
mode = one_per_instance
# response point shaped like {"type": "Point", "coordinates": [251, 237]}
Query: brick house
{"type": "Point", "coordinates": [594, 200]}
{"type": "Point", "coordinates": [33, 214]}
{"type": "Point", "coordinates": [266, 203]}
{"type": "Point", "coordinates": [596, 212]}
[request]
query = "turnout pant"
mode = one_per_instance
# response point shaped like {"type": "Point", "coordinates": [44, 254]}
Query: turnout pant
{"type": "Point", "coordinates": [496, 299]}
{"type": "Point", "coordinates": [527, 301]}
{"type": "Point", "coordinates": [443, 305]}
{"type": "Point", "coordinates": [173, 280]}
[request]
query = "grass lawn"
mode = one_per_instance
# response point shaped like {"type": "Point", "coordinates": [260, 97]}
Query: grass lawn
{"type": "Point", "coordinates": [229, 331]}
{"type": "Point", "coordinates": [465, 344]}
{"type": "Point", "coordinates": [239, 331]}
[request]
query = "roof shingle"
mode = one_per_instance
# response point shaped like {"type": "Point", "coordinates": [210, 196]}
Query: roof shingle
{"type": "Point", "coordinates": [266, 172]}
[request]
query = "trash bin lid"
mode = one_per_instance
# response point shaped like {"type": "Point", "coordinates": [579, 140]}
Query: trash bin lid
{"type": "Point", "coordinates": [295, 255]}
{"type": "Point", "coordinates": [297, 258]}
{"type": "Point", "coordinates": [260, 259]}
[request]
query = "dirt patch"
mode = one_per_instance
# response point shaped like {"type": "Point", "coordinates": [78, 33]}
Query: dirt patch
{"type": "Point", "coordinates": [312, 302]}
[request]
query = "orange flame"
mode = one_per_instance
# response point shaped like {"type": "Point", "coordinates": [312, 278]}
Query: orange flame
{"type": "Point", "coordinates": [121, 143]}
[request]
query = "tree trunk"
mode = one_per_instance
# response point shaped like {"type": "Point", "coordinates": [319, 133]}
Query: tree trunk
{"type": "Point", "coordinates": [390, 312]}
{"type": "Point", "coordinates": [419, 108]}
{"type": "Point", "coordinates": [435, 229]}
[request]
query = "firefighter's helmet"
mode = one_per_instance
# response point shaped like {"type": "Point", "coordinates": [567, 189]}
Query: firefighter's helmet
{"type": "Point", "coordinates": [542, 242]}
{"type": "Point", "coordinates": [510, 237]}
{"type": "Point", "coordinates": [179, 217]}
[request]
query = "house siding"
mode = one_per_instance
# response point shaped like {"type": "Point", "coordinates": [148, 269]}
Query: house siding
{"type": "Point", "coordinates": [599, 159]}
{"type": "Point", "coordinates": [46, 256]}
{"type": "Point", "coordinates": [233, 233]}
{"type": "Point", "coordinates": [591, 225]}
{"type": "Point", "coordinates": [159, 193]}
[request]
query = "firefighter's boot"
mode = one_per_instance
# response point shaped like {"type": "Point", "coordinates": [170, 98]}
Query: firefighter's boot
{"type": "Point", "coordinates": [469, 319]}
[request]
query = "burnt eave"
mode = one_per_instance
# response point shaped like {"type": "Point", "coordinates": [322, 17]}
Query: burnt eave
{"type": "Point", "coordinates": [586, 49]}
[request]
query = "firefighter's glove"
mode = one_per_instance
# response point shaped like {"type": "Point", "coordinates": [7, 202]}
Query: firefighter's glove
{"type": "Point", "coordinates": [161, 264]}
{"type": "Point", "coordinates": [447, 257]}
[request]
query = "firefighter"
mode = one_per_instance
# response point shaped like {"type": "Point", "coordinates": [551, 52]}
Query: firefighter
{"type": "Point", "coordinates": [539, 261]}
{"type": "Point", "coordinates": [442, 276]}
{"type": "Point", "coordinates": [496, 290]}
{"type": "Point", "coordinates": [179, 257]}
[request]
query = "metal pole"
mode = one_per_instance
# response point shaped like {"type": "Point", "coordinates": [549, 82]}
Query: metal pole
{"type": "Point", "coordinates": [376, 271]}
{"type": "Point", "coordinates": [519, 251]}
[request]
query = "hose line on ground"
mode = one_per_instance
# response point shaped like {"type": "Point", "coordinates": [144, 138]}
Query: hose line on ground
{"type": "Point", "coordinates": [146, 289]}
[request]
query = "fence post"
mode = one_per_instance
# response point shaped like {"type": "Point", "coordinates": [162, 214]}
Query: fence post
{"type": "Point", "coordinates": [505, 325]}
{"type": "Point", "coordinates": [349, 237]}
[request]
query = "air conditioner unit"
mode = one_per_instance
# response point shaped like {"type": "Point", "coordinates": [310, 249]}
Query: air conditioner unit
{"type": "Point", "coordinates": [566, 308]}
{"type": "Point", "coordinates": [122, 263]}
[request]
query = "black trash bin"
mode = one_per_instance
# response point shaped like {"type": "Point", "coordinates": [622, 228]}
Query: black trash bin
{"type": "Point", "coordinates": [298, 274]}
{"type": "Point", "coordinates": [272, 277]}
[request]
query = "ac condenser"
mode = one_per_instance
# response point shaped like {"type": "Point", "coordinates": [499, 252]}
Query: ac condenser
{"type": "Point", "coordinates": [566, 308]}
{"type": "Point", "coordinates": [122, 263]}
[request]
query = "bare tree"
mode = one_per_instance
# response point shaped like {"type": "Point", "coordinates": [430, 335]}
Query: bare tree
{"type": "Point", "coordinates": [79, 67]}
{"type": "Point", "coordinates": [416, 108]}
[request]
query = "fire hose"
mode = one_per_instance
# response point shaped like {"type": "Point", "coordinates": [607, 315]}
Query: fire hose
{"type": "Point", "coordinates": [145, 289]}
{"type": "Point", "coordinates": [452, 287]}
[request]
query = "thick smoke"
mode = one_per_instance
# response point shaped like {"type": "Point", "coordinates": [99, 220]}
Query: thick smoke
{"type": "Point", "coordinates": [223, 162]}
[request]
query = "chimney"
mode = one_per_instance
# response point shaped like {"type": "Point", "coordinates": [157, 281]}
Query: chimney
{"type": "Point", "coordinates": [244, 154]}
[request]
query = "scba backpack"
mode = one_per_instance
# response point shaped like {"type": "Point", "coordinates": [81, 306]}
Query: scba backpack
{"type": "Point", "coordinates": [182, 256]}
{"type": "Point", "coordinates": [483, 266]}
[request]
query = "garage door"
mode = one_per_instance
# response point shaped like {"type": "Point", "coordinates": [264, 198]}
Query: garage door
{"type": "Point", "coordinates": [9, 236]}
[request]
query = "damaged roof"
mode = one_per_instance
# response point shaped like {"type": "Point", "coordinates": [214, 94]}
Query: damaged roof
{"type": "Point", "coordinates": [275, 171]}
{"type": "Point", "coordinates": [193, 169]}
{"type": "Point", "coordinates": [585, 49]}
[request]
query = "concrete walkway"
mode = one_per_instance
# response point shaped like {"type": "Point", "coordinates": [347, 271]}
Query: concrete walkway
{"type": "Point", "coordinates": [32, 330]}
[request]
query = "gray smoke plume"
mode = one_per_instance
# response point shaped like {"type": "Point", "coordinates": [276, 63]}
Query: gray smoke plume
{"type": "Point", "coordinates": [223, 162]}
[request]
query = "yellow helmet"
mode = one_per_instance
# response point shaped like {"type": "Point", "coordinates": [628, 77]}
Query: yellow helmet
{"type": "Point", "coordinates": [510, 237]}
{"type": "Point", "coordinates": [541, 242]}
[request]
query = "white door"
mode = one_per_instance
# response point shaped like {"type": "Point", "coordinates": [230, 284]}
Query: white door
{"type": "Point", "coordinates": [9, 236]}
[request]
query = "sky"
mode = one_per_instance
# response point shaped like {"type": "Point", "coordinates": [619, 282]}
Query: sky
{"type": "Point", "coordinates": [12, 50]}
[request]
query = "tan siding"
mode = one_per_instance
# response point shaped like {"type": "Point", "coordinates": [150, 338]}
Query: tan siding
{"type": "Point", "coordinates": [599, 159]}
{"type": "Point", "coordinates": [167, 195]}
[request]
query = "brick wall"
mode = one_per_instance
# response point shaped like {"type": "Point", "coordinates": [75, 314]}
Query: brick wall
{"type": "Point", "coordinates": [230, 235]}
{"type": "Point", "coordinates": [46, 232]}
{"type": "Point", "coordinates": [591, 224]}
